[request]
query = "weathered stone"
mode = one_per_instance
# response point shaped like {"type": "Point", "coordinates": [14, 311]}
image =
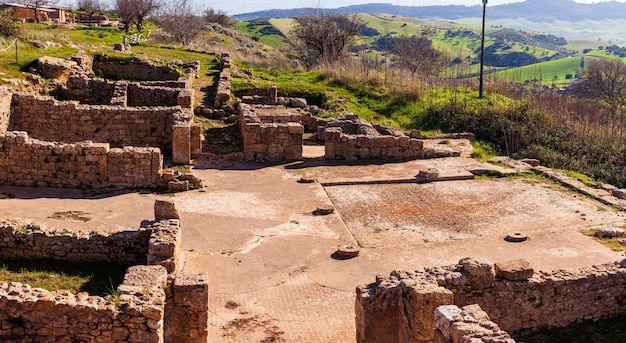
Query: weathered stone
{"type": "Point", "coordinates": [165, 209]}
{"type": "Point", "coordinates": [56, 68]}
{"type": "Point", "coordinates": [514, 270]}
{"type": "Point", "coordinates": [419, 302]}
{"type": "Point", "coordinates": [481, 274]}
{"type": "Point", "coordinates": [610, 232]}
{"type": "Point", "coordinates": [619, 193]}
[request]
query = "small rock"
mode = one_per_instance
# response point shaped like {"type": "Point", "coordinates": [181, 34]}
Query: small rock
{"type": "Point", "coordinates": [165, 209]}
{"type": "Point", "coordinates": [532, 161]}
{"type": "Point", "coordinates": [610, 232]}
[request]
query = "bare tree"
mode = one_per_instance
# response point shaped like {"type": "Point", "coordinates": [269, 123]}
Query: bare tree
{"type": "Point", "coordinates": [218, 17]}
{"type": "Point", "coordinates": [134, 12]}
{"type": "Point", "coordinates": [179, 18]}
{"type": "Point", "coordinates": [325, 37]}
{"type": "Point", "coordinates": [90, 7]}
{"type": "Point", "coordinates": [145, 8]}
{"type": "Point", "coordinates": [127, 12]}
{"type": "Point", "coordinates": [36, 5]}
{"type": "Point", "coordinates": [417, 54]}
{"type": "Point", "coordinates": [604, 78]}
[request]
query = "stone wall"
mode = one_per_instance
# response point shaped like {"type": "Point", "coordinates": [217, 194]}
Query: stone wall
{"type": "Point", "coordinates": [148, 300]}
{"type": "Point", "coordinates": [222, 96]}
{"type": "Point", "coordinates": [155, 244]}
{"type": "Point", "coordinates": [132, 69]}
{"type": "Point", "coordinates": [514, 298]}
{"type": "Point", "coordinates": [140, 95]}
{"type": "Point", "coordinates": [31, 162]}
{"type": "Point", "coordinates": [467, 324]}
{"type": "Point", "coordinates": [265, 140]}
{"type": "Point", "coordinates": [43, 117]}
{"type": "Point", "coordinates": [186, 312]}
{"type": "Point", "coordinates": [339, 145]}
{"type": "Point", "coordinates": [5, 108]}
{"type": "Point", "coordinates": [38, 315]}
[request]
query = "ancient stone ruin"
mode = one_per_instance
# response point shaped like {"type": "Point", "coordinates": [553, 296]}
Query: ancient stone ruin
{"type": "Point", "coordinates": [423, 305]}
{"type": "Point", "coordinates": [99, 133]}
{"type": "Point", "coordinates": [156, 301]}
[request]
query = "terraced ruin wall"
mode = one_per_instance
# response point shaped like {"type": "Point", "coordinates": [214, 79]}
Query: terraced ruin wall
{"type": "Point", "coordinates": [132, 69]}
{"type": "Point", "coordinates": [151, 306]}
{"type": "Point", "coordinates": [400, 307]}
{"type": "Point", "coordinates": [30, 162]}
{"type": "Point", "coordinates": [47, 119]}
{"type": "Point", "coordinates": [341, 146]}
{"type": "Point", "coordinates": [264, 140]}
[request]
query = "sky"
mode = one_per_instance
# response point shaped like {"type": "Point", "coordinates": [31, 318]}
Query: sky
{"type": "Point", "coordinates": [233, 7]}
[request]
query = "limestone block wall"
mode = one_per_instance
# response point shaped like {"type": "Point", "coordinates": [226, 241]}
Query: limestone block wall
{"type": "Point", "coordinates": [155, 244]}
{"type": "Point", "coordinates": [222, 96]}
{"type": "Point", "coordinates": [385, 312]}
{"type": "Point", "coordinates": [38, 315]}
{"type": "Point", "coordinates": [132, 69]}
{"type": "Point", "coordinates": [140, 95]}
{"type": "Point", "coordinates": [269, 141]}
{"type": "Point", "coordinates": [42, 117]}
{"type": "Point", "coordinates": [467, 324]}
{"type": "Point", "coordinates": [5, 108]}
{"type": "Point", "coordinates": [31, 162]}
{"type": "Point", "coordinates": [339, 145]}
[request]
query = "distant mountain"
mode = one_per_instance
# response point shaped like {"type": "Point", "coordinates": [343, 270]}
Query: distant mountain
{"type": "Point", "coordinates": [532, 10]}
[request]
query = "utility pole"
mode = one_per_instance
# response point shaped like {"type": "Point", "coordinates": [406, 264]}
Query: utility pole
{"type": "Point", "coordinates": [482, 53]}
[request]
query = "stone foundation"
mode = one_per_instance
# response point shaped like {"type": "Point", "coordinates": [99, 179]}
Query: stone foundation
{"type": "Point", "coordinates": [5, 108]}
{"type": "Point", "coordinates": [547, 299]}
{"type": "Point", "coordinates": [341, 146]}
{"type": "Point", "coordinates": [43, 117]}
{"type": "Point", "coordinates": [31, 162]}
{"type": "Point", "coordinates": [222, 96]}
{"type": "Point", "coordinates": [132, 69]}
{"type": "Point", "coordinates": [38, 315]}
{"type": "Point", "coordinates": [148, 300]}
{"type": "Point", "coordinates": [270, 134]}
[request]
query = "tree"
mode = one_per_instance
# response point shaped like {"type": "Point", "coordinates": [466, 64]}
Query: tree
{"type": "Point", "coordinates": [604, 78]}
{"type": "Point", "coordinates": [134, 12]}
{"type": "Point", "coordinates": [8, 27]}
{"type": "Point", "coordinates": [36, 5]}
{"type": "Point", "coordinates": [418, 55]}
{"type": "Point", "coordinates": [126, 10]}
{"type": "Point", "coordinates": [144, 9]}
{"type": "Point", "coordinates": [325, 37]}
{"type": "Point", "coordinates": [90, 7]}
{"type": "Point", "coordinates": [179, 19]}
{"type": "Point", "coordinates": [218, 17]}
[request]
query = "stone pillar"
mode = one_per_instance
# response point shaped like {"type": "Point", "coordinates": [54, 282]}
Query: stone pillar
{"type": "Point", "coordinates": [196, 140]}
{"type": "Point", "coordinates": [273, 95]}
{"type": "Point", "coordinates": [419, 302]}
{"type": "Point", "coordinates": [181, 145]}
{"type": "Point", "coordinates": [186, 314]}
{"type": "Point", "coordinates": [377, 313]}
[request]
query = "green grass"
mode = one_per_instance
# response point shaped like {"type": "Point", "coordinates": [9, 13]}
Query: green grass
{"type": "Point", "coordinates": [95, 278]}
{"type": "Point", "coordinates": [483, 151]}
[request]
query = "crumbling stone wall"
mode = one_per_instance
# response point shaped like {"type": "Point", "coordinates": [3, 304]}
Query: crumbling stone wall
{"type": "Point", "coordinates": [266, 140]}
{"type": "Point", "coordinates": [31, 162]}
{"type": "Point", "coordinates": [354, 138]}
{"type": "Point", "coordinates": [132, 69]}
{"type": "Point", "coordinates": [467, 324]}
{"type": "Point", "coordinates": [222, 96]}
{"type": "Point", "coordinates": [67, 121]}
{"type": "Point", "coordinates": [5, 108]}
{"type": "Point", "coordinates": [39, 315]}
{"type": "Point", "coordinates": [140, 95]}
{"type": "Point", "coordinates": [384, 312]}
{"type": "Point", "coordinates": [155, 244]}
